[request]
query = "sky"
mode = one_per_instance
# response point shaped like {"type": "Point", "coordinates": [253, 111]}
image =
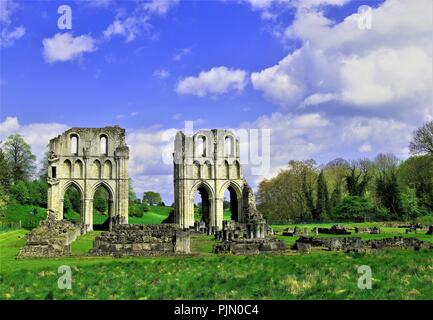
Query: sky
{"type": "Point", "coordinates": [325, 78]}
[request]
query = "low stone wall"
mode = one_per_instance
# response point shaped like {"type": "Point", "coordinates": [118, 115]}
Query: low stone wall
{"type": "Point", "coordinates": [52, 238]}
{"type": "Point", "coordinates": [373, 230]}
{"type": "Point", "coordinates": [336, 229]}
{"type": "Point", "coordinates": [355, 244]}
{"type": "Point", "coordinates": [142, 240]}
{"type": "Point", "coordinates": [249, 246]}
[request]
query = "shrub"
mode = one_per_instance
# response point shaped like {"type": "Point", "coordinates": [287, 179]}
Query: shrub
{"type": "Point", "coordinates": [355, 208]}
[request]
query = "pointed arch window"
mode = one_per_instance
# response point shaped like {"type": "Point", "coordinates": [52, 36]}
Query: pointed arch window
{"type": "Point", "coordinates": [74, 144]}
{"type": "Point", "coordinates": [104, 145]}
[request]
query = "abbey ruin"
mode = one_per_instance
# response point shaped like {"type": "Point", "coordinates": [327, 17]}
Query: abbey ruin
{"type": "Point", "coordinates": [207, 163]}
{"type": "Point", "coordinates": [87, 159]}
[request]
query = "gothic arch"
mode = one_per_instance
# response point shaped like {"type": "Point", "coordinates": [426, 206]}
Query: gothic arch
{"type": "Point", "coordinates": [218, 171]}
{"type": "Point", "coordinates": [88, 168]}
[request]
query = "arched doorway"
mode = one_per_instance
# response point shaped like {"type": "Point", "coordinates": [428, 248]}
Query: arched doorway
{"type": "Point", "coordinates": [231, 203]}
{"type": "Point", "coordinates": [102, 207]}
{"type": "Point", "coordinates": [202, 205]}
{"type": "Point", "coordinates": [73, 204]}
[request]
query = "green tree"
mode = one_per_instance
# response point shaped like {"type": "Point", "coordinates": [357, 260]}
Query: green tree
{"type": "Point", "coordinates": [5, 172]}
{"type": "Point", "coordinates": [409, 204]}
{"type": "Point", "coordinates": [388, 192]}
{"type": "Point", "coordinates": [355, 208]}
{"type": "Point", "coordinates": [4, 199]}
{"type": "Point", "coordinates": [20, 192]}
{"type": "Point", "coordinates": [100, 200]}
{"type": "Point", "coordinates": [358, 178]}
{"type": "Point", "coordinates": [416, 173]}
{"type": "Point", "coordinates": [20, 158]}
{"type": "Point", "coordinates": [151, 198]}
{"type": "Point", "coordinates": [322, 202]}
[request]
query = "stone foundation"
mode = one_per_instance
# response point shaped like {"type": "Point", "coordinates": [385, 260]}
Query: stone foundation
{"type": "Point", "coordinates": [142, 240]}
{"type": "Point", "coordinates": [250, 246]}
{"type": "Point", "coordinates": [52, 238]}
{"type": "Point", "coordinates": [336, 229]}
{"type": "Point", "coordinates": [355, 244]}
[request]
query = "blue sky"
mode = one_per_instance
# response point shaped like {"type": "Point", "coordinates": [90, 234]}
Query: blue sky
{"type": "Point", "coordinates": [325, 86]}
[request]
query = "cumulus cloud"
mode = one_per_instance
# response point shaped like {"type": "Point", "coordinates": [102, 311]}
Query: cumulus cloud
{"type": "Point", "coordinates": [217, 80]}
{"type": "Point", "coordinates": [386, 68]}
{"type": "Point", "coordinates": [65, 47]}
{"type": "Point", "coordinates": [37, 135]}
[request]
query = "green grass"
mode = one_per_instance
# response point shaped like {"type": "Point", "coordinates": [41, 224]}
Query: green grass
{"type": "Point", "coordinates": [397, 274]}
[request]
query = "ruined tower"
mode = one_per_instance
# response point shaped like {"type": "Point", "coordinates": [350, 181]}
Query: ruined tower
{"type": "Point", "coordinates": [89, 158]}
{"type": "Point", "coordinates": [207, 162]}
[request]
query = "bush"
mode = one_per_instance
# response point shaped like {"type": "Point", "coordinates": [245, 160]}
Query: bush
{"type": "Point", "coordinates": [355, 208]}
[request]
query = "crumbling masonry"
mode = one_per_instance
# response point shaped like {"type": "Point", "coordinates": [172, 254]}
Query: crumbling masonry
{"type": "Point", "coordinates": [87, 159]}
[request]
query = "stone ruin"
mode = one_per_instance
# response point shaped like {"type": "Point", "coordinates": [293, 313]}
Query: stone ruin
{"type": "Point", "coordinates": [373, 230]}
{"type": "Point", "coordinates": [142, 240]}
{"type": "Point", "coordinates": [355, 244]}
{"type": "Point", "coordinates": [335, 229]}
{"type": "Point", "coordinates": [295, 232]}
{"type": "Point", "coordinates": [251, 237]}
{"type": "Point", "coordinates": [52, 238]}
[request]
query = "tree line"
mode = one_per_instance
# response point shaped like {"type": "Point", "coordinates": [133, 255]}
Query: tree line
{"type": "Point", "coordinates": [384, 188]}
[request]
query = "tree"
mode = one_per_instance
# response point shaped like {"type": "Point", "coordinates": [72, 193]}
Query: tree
{"type": "Point", "coordinates": [4, 199]}
{"type": "Point", "coordinates": [100, 200]}
{"type": "Point", "coordinates": [43, 171]}
{"type": "Point", "coordinates": [20, 192]}
{"type": "Point", "coordinates": [388, 192]}
{"type": "Point", "coordinates": [151, 198]}
{"type": "Point", "coordinates": [20, 158]}
{"type": "Point", "coordinates": [132, 196]}
{"type": "Point", "coordinates": [355, 208]}
{"type": "Point", "coordinates": [422, 142]}
{"type": "Point", "coordinates": [417, 173]}
{"type": "Point", "coordinates": [282, 198]}
{"type": "Point", "coordinates": [322, 202]}
{"type": "Point", "coordinates": [5, 172]}
{"type": "Point", "coordinates": [358, 178]}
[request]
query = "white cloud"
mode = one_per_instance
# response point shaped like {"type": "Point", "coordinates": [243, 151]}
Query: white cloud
{"type": "Point", "coordinates": [65, 47]}
{"type": "Point", "coordinates": [159, 7]}
{"type": "Point", "coordinates": [217, 80]}
{"type": "Point", "coordinates": [9, 34]}
{"type": "Point", "coordinates": [365, 148]}
{"type": "Point", "coordinates": [133, 25]}
{"type": "Point", "coordinates": [128, 28]}
{"type": "Point", "coordinates": [161, 73]}
{"type": "Point", "coordinates": [37, 135]}
{"type": "Point", "coordinates": [387, 69]}
{"type": "Point", "coordinates": [7, 38]}
{"type": "Point", "coordinates": [182, 53]}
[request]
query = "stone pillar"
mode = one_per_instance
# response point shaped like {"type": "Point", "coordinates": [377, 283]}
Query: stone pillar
{"type": "Point", "coordinates": [219, 213]}
{"type": "Point", "coordinates": [87, 214]}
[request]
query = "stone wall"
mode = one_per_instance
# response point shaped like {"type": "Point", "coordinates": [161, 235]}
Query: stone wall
{"type": "Point", "coordinates": [355, 244]}
{"type": "Point", "coordinates": [52, 238]}
{"type": "Point", "coordinates": [249, 246]}
{"type": "Point", "coordinates": [142, 240]}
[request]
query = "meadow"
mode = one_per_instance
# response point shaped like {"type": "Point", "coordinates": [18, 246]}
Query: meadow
{"type": "Point", "coordinates": [397, 274]}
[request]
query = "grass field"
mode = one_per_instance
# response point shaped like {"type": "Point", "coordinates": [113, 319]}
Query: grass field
{"type": "Point", "coordinates": [397, 274]}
